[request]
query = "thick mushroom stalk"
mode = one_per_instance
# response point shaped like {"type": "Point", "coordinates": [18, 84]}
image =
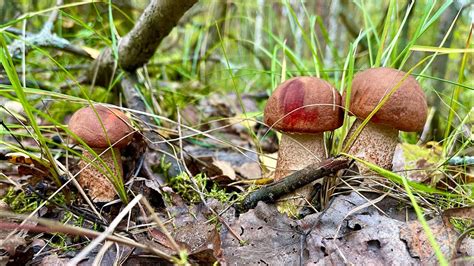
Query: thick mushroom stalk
{"type": "Point", "coordinates": [302, 108]}
{"type": "Point", "coordinates": [105, 131]}
{"type": "Point", "coordinates": [297, 151]}
{"type": "Point", "coordinates": [405, 110]}
{"type": "Point", "coordinates": [94, 179]}
{"type": "Point", "coordinates": [376, 144]}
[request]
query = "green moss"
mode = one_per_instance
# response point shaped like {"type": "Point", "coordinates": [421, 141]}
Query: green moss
{"type": "Point", "coordinates": [21, 202]}
{"type": "Point", "coordinates": [183, 185]}
{"type": "Point", "coordinates": [462, 225]}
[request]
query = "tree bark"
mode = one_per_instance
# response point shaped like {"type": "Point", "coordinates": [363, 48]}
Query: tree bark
{"type": "Point", "coordinates": [156, 22]}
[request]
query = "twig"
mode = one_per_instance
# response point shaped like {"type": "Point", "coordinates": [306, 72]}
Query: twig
{"type": "Point", "coordinates": [29, 83]}
{"type": "Point", "coordinates": [48, 226]}
{"type": "Point", "coordinates": [464, 160]}
{"type": "Point", "coordinates": [137, 47]}
{"type": "Point", "coordinates": [296, 180]}
{"type": "Point", "coordinates": [45, 39]}
{"type": "Point", "coordinates": [110, 229]}
{"type": "Point", "coordinates": [48, 26]}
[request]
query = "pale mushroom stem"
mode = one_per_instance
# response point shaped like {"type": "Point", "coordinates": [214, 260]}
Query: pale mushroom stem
{"type": "Point", "coordinates": [296, 152]}
{"type": "Point", "coordinates": [100, 187]}
{"type": "Point", "coordinates": [376, 144]}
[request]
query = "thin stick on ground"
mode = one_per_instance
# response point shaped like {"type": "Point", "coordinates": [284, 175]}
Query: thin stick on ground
{"type": "Point", "coordinates": [48, 226]}
{"type": "Point", "coordinates": [290, 183]}
{"type": "Point", "coordinates": [110, 229]}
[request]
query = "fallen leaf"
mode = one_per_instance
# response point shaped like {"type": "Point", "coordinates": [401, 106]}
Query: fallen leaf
{"type": "Point", "coordinates": [53, 259]}
{"type": "Point", "coordinates": [345, 233]}
{"type": "Point", "coordinates": [417, 163]}
{"type": "Point", "coordinates": [11, 244]}
{"type": "Point", "coordinates": [419, 246]}
{"type": "Point", "coordinates": [269, 161]}
{"type": "Point", "coordinates": [226, 168]}
{"type": "Point", "coordinates": [94, 53]}
{"type": "Point", "coordinates": [250, 170]}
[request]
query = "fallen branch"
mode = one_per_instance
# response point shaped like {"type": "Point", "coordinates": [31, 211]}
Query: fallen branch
{"type": "Point", "coordinates": [290, 183]}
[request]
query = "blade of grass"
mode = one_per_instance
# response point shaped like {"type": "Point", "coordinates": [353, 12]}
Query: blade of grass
{"type": "Point", "coordinates": [457, 91]}
{"type": "Point", "coordinates": [369, 29]}
{"type": "Point", "coordinates": [441, 50]}
{"type": "Point", "coordinates": [395, 40]}
{"type": "Point", "coordinates": [237, 93]}
{"type": "Point", "coordinates": [442, 42]}
{"type": "Point", "coordinates": [10, 70]}
{"type": "Point", "coordinates": [387, 25]}
{"type": "Point", "coordinates": [424, 24]}
{"type": "Point", "coordinates": [318, 64]}
{"type": "Point", "coordinates": [29, 15]}
{"type": "Point", "coordinates": [347, 74]}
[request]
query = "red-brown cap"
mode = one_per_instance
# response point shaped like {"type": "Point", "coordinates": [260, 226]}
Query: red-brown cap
{"type": "Point", "coordinates": [85, 124]}
{"type": "Point", "coordinates": [304, 105]}
{"type": "Point", "coordinates": [405, 110]}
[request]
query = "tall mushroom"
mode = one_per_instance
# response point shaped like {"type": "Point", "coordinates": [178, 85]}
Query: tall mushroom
{"type": "Point", "coordinates": [405, 110]}
{"type": "Point", "coordinates": [107, 129]}
{"type": "Point", "coordinates": [302, 108]}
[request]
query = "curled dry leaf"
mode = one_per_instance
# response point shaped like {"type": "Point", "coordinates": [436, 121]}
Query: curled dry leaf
{"type": "Point", "coordinates": [462, 212]}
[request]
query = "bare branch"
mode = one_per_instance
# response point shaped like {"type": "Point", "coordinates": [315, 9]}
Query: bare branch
{"type": "Point", "coordinates": [156, 22]}
{"type": "Point", "coordinates": [139, 45]}
{"type": "Point", "coordinates": [290, 183]}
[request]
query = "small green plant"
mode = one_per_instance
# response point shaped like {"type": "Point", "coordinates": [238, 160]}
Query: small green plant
{"type": "Point", "coordinates": [184, 186]}
{"type": "Point", "coordinates": [21, 202]}
{"type": "Point", "coordinates": [462, 224]}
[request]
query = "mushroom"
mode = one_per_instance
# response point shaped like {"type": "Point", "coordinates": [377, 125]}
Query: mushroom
{"type": "Point", "coordinates": [302, 108]}
{"type": "Point", "coordinates": [105, 132]}
{"type": "Point", "coordinates": [405, 110]}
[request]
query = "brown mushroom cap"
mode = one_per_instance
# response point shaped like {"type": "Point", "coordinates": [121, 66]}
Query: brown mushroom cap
{"type": "Point", "coordinates": [321, 111]}
{"type": "Point", "coordinates": [85, 124]}
{"type": "Point", "coordinates": [405, 110]}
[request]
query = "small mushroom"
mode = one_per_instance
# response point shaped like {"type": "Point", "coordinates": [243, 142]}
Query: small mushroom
{"type": "Point", "coordinates": [405, 110]}
{"type": "Point", "coordinates": [302, 108]}
{"type": "Point", "coordinates": [107, 129]}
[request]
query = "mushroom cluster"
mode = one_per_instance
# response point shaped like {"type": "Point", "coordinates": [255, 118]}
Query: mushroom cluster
{"type": "Point", "coordinates": [405, 110]}
{"type": "Point", "coordinates": [106, 131]}
{"type": "Point", "coordinates": [302, 108]}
